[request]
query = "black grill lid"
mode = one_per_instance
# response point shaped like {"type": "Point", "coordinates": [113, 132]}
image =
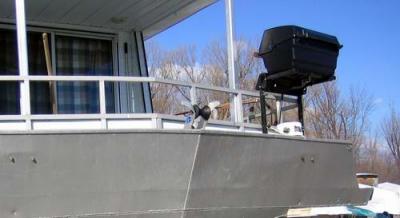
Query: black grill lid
{"type": "Point", "coordinates": [273, 37]}
{"type": "Point", "coordinates": [295, 58]}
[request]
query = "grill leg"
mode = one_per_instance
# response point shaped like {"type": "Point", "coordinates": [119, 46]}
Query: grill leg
{"type": "Point", "coordinates": [263, 112]}
{"type": "Point", "coordinates": [300, 110]}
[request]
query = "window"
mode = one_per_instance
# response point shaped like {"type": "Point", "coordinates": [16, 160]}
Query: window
{"type": "Point", "coordinates": [9, 91]}
{"type": "Point", "coordinates": [74, 56]}
{"type": "Point", "coordinates": [82, 56]}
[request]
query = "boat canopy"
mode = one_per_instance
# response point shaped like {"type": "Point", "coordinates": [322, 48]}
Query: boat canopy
{"type": "Point", "coordinates": [147, 16]}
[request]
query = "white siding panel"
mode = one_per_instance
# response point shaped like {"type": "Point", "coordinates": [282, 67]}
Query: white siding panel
{"type": "Point", "coordinates": [66, 125]}
{"type": "Point", "coordinates": [145, 9]}
{"type": "Point", "coordinates": [222, 128]}
{"type": "Point", "coordinates": [168, 124]}
{"type": "Point", "coordinates": [152, 16]}
{"type": "Point", "coordinates": [130, 124]}
{"type": "Point", "coordinates": [12, 125]}
{"type": "Point", "coordinates": [85, 9]}
{"type": "Point", "coordinates": [56, 10]}
{"type": "Point", "coordinates": [253, 130]}
{"type": "Point", "coordinates": [35, 7]}
{"type": "Point", "coordinates": [110, 9]}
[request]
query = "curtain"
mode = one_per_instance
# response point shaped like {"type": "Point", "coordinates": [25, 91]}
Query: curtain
{"type": "Point", "coordinates": [82, 56]}
{"type": "Point", "coordinates": [9, 91]}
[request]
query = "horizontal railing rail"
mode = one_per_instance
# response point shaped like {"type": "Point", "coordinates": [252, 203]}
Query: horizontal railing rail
{"type": "Point", "coordinates": [101, 80]}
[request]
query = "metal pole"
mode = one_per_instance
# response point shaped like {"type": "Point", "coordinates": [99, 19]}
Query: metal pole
{"type": "Point", "coordinates": [236, 108]}
{"type": "Point", "coordinates": [23, 59]}
{"type": "Point", "coordinates": [300, 111]}
{"type": "Point", "coordinates": [263, 104]}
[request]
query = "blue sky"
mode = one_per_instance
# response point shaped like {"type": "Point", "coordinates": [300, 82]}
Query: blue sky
{"type": "Point", "coordinates": [368, 29]}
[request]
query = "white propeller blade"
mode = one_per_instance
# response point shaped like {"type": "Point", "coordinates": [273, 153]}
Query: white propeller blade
{"type": "Point", "coordinates": [213, 105]}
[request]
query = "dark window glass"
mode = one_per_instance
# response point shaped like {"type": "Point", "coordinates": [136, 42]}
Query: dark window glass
{"type": "Point", "coordinates": [9, 91]}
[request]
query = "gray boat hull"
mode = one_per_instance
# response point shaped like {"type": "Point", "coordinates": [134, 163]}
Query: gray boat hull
{"type": "Point", "coordinates": [165, 174]}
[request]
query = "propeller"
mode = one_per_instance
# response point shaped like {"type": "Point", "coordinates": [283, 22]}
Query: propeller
{"type": "Point", "coordinates": [200, 116]}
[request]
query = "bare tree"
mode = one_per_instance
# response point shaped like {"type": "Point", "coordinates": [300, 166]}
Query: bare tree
{"type": "Point", "coordinates": [216, 61]}
{"type": "Point", "coordinates": [216, 64]}
{"type": "Point", "coordinates": [332, 115]}
{"type": "Point", "coordinates": [183, 64]}
{"type": "Point", "coordinates": [391, 133]}
{"type": "Point", "coordinates": [374, 158]}
{"type": "Point", "coordinates": [187, 66]}
{"type": "Point", "coordinates": [161, 64]}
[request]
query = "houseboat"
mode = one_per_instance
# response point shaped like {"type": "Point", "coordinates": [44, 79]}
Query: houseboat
{"type": "Point", "coordinates": [79, 138]}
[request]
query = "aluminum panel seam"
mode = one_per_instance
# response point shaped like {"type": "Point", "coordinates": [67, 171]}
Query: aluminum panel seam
{"type": "Point", "coordinates": [191, 173]}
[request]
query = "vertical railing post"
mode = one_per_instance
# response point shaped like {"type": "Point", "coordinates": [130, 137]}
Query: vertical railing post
{"type": "Point", "coordinates": [239, 107]}
{"type": "Point", "coordinates": [193, 95]}
{"type": "Point", "coordinates": [278, 111]}
{"type": "Point", "coordinates": [232, 71]}
{"type": "Point", "coordinates": [102, 101]}
{"type": "Point", "coordinates": [23, 61]}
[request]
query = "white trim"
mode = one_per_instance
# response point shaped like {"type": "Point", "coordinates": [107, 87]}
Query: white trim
{"type": "Point", "coordinates": [143, 71]}
{"type": "Point", "coordinates": [102, 102]}
{"type": "Point", "coordinates": [23, 60]}
{"type": "Point", "coordinates": [161, 23]}
{"type": "Point", "coordinates": [113, 122]}
{"type": "Point", "coordinates": [100, 30]}
{"type": "Point", "coordinates": [84, 33]}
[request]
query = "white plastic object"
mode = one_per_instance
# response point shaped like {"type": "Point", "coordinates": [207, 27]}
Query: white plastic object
{"type": "Point", "coordinates": [290, 129]}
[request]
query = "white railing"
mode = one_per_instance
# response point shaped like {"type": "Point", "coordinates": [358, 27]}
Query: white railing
{"type": "Point", "coordinates": [156, 119]}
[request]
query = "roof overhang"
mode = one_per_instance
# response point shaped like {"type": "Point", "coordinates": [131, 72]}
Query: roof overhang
{"type": "Point", "coordinates": [149, 16]}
